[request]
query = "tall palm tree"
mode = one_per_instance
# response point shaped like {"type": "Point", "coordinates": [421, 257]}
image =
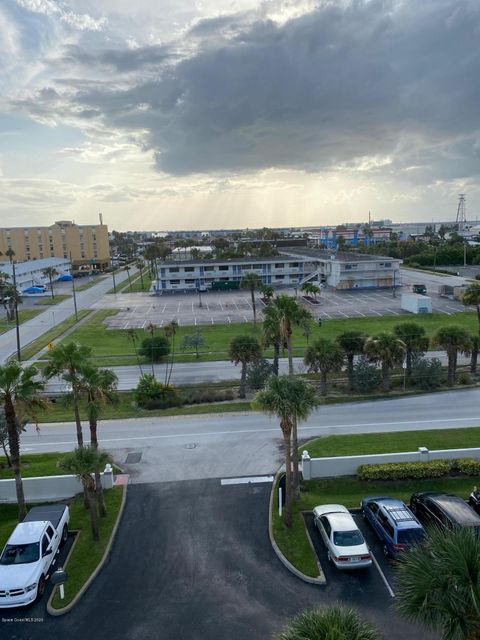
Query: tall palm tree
{"type": "Point", "coordinates": [127, 269]}
{"type": "Point", "coordinates": [171, 330]}
{"type": "Point", "coordinates": [324, 356]}
{"type": "Point", "coordinates": [151, 328]}
{"type": "Point", "coordinates": [290, 399]}
{"type": "Point", "coordinates": [475, 349]}
{"type": "Point", "coordinates": [132, 337]}
{"type": "Point", "coordinates": [252, 282]}
{"type": "Point", "coordinates": [271, 334]}
{"type": "Point", "coordinates": [83, 462]}
{"type": "Point", "coordinates": [472, 297]}
{"type": "Point", "coordinates": [352, 343]}
{"type": "Point", "coordinates": [414, 338]}
{"type": "Point", "coordinates": [99, 386]}
{"type": "Point", "coordinates": [11, 299]}
{"type": "Point", "coordinates": [329, 623]}
{"type": "Point", "coordinates": [388, 350]}
{"type": "Point", "coordinates": [453, 339]}
{"type": "Point", "coordinates": [438, 584]}
{"type": "Point", "coordinates": [20, 397]}
{"type": "Point", "coordinates": [140, 264]}
{"type": "Point", "coordinates": [244, 349]}
{"type": "Point", "coordinates": [66, 360]}
{"type": "Point", "coordinates": [50, 273]}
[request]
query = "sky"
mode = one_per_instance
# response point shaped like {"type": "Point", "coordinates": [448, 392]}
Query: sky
{"type": "Point", "coordinates": [198, 114]}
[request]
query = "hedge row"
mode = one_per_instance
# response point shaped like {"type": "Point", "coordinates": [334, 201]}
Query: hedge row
{"type": "Point", "coordinates": [416, 470]}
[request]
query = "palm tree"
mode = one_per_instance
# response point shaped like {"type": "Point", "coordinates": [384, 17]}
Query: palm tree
{"type": "Point", "coordinates": [453, 339]}
{"type": "Point", "coordinates": [132, 337]}
{"type": "Point", "coordinates": [50, 273]}
{"type": "Point", "coordinates": [20, 397]}
{"type": "Point", "coordinates": [83, 462]}
{"type": "Point", "coordinates": [439, 583]}
{"type": "Point", "coordinates": [271, 333]}
{"type": "Point", "coordinates": [170, 332]}
{"type": "Point", "coordinates": [352, 343]}
{"type": "Point", "coordinates": [472, 297]}
{"type": "Point", "coordinates": [324, 356]}
{"type": "Point", "coordinates": [100, 388]}
{"type": "Point", "coordinates": [11, 299]}
{"type": "Point", "coordinates": [127, 269]}
{"type": "Point", "coordinates": [329, 623]}
{"type": "Point", "coordinates": [244, 349]}
{"type": "Point", "coordinates": [290, 399]}
{"type": "Point", "coordinates": [151, 328]}
{"type": "Point", "coordinates": [140, 264]}
{"type": "Point", "coordinates": [415, 340]}
{"type": "Point", "coordinates": [252, 281]}
{"type": "Point", "coordinates": [267, 292]}
{"type": "Point", "coordinates": [67, 360]}
{"type": "Point", "coordinates": [475, 349]}
{"type": "Point", "coordinates": [4, 281]}
{"type": "Point", "coordinates": [388, 350]}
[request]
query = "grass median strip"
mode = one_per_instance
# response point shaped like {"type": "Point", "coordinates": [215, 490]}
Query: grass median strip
{"type": "Point", "coordinates": [87, 553]}
{"type": "Point", "coordinates": [23, 316]}
{"type": "Point", "coordinates": [34, 465]}
{"type": "Point", "coordinates": [51, 301]}
{"type": "Point", "coordinates": [32, 348]}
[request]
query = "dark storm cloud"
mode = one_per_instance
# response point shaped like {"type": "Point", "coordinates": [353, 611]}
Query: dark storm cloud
{"type": "Point", "coordinates": [341, 82]}
{"type": "Point", "coordinates": [122, 60]}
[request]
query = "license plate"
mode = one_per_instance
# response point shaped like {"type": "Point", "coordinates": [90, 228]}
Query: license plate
{"type": "Point", "coordinates": [354, 559]}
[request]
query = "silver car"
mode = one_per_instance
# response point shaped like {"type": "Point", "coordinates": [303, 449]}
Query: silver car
{"type": "Point", "coordinates": [346, 546]}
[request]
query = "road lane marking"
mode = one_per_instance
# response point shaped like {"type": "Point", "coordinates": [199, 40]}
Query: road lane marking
{"type": "Point", "coordinates": [246, 480]}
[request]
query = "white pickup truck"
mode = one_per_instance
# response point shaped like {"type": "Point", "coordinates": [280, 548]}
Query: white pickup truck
{"type": "Point", "coordinates": [29, 554]}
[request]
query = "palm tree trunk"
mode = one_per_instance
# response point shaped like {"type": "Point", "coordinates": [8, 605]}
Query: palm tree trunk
{"type": "Point", "coordinates": [5, 453]}
{"type": "Point", "coordinates": [92, 507]}
{"type": "Point", "coordinates": [408, 363]}
{"type": "Point", "coordinates": [290, 354]}
{"type": "Point", "coordinates": [350, 357]}
{"type": "Point", "coordinates": [287, 513]}
{"type": "Point", "coordinates": [294, 436]}
{"type": "Point", "coordinates": [473, 361]}
{"type": "Point", "coordinates": [78, 422]}
{"type": "Point", "coordinates": [254, 308]}
{"type": "Point", "coordinates": [276, 356]}
{"type": "Point", "coordinates": [141, 277]}
{"type": "Point", "coordinates": [243, 379]}
{"type": "Point", "coordinates": [478, 318]}
{"type": "Point", "coordinates": [323, 383]}
{"type": "Point", "coordinates": [451, 369]}
{"type": "Point", "coordinates": [172, 360]}
{"type": "Point", "coordinates": [51, 287]}
{"type": "Point", "coordinates": [137, 356]}
{"type": "Point", "coordinates": [385, 377]}
{"type": "Point", "coordinates": [14, 446]}
{"type": "Point", "coordinates": [102, 509]}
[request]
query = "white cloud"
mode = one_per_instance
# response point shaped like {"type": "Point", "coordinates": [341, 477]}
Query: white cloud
{"type": "Point", "coordinates": [53, 8]}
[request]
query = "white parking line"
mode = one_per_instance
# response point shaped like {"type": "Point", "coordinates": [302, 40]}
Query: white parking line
{"type": "Point", "coordinates": [382, 575]}
{"type": "Point", "coordinates": [164, 307]}
{"type": "Point", "coordinates": [395, 313]}
{"type": "Point", "coordinates": [221, 305]}
{"type": "Point", "coordinates": [447, 313]}
{"type": "Point", "coordinates": [360, 313]}
{"type": "Point", "coordinates": [229, 320]}
{"type": "Point", "coordinates": [245, 318]}
{"type": "Point", "coordinates": [343, 314]}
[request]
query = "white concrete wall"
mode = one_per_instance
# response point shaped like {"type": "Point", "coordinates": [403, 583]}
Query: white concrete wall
{"type": "Point", "coordinates": [49, 488]}
{"type": "Point", "coordinates": [348, 465]}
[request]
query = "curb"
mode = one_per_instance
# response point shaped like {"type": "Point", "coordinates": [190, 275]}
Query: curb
{"type": "Point", "coordinates": [321, 580]}
{"type": "Point", "coordinates": [60, 612]}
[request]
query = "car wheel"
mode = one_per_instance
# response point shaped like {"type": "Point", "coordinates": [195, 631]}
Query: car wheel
{"type": "Point", "coordinates": [41, 587]}
{"type": "Point", "coordinates": [64, 535]}
{"type": "Point", "coordinates": [386, 552]}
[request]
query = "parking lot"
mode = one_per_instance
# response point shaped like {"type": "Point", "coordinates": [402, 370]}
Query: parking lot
{"type": "Point", "coordinates": [136, 310]}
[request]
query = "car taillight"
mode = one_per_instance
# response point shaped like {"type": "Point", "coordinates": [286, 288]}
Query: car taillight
{"type": "Point", "coordinates": [366, 557]}
{"type": "Point", "coordinates": [341, 558]}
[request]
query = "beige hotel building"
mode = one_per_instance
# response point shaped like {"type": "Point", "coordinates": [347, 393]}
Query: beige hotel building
{"type": "Point", "coordinates": [87, 244]}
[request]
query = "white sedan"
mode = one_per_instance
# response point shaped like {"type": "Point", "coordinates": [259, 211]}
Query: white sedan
{"type": "Point", "coordinates": [346, 546]}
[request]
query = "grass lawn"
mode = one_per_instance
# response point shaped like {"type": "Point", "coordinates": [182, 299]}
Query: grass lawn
{"type": "Point", "coordinates": [349, 492]}
{"type": "Point", "coordinates": [33, 465]}
{"type": "Point", "coordinates": [369, 443]}
{"type": "Point", "coordinates": [62, 412]}
{"type": "Point", "coordinates": [49, 301]}
{"type": "Point", "coordinates": [91, 282]}
{"type": "Point", "coordinates": [23, 316]}
{"type": "Point", "coordinates": [36, 345]}
{"type": "Point", "coordinates": [8, 520]}
{"type": "Point", "coordinates": [87, 553]}
{"type": "Point", "coordinates": [137, 284]}
{"type": "Point", "coordinates": [112, 347]}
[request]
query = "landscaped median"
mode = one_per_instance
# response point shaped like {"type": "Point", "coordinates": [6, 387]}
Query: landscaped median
{"type": "Point", "coordinates": [293, 542]}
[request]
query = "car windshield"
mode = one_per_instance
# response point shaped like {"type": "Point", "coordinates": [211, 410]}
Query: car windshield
{"type": "Point", "coordinates": [410, 536]}
{"type": "Point", "coordinates": [20, 553]}
{"type": "Point", "coordinates": [347, 538]}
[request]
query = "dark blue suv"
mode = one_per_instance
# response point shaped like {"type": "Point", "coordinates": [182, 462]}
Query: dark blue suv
{"type": "Point", "coordinates": [394, 523]}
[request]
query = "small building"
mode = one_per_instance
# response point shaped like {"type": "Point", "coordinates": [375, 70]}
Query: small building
{"type": "Point", "coordinates": [30, 273]}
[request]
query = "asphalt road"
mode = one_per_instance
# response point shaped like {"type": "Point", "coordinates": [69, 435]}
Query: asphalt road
{"type": "Point", "coordinates": [193, 560]}
{"type": "Point", "coordinates": [249, 443]}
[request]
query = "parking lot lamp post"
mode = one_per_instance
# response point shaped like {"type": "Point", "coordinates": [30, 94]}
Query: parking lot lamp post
{"type": "Point", "coordinates": [17, 325]}
{"type": "Point", "coordinates": [73, 290]}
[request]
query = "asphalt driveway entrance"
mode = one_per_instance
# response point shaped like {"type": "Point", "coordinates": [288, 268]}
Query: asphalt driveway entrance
{"type": "Point", "coordinates": [192, 560]}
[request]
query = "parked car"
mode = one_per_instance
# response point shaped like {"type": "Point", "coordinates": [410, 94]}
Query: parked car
{"type": "Point", "coordinates": [474, 499]}
{"type": "Point", "coordinates": [443, 510]}
{"type": "Point", "coordinates": [30, 551]}
{"type": "Point", "coordinates": [346, 546]}
{"type": "Point", "coordinates": [33, 290]}
{"type": "Point", "coordinates": [394, 524]}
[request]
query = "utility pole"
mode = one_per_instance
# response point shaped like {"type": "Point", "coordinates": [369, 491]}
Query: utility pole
{"type": "Point", "coordinates": [114, 283]}
{"type": "Point", "coordinates": [17, 325]}
{"type": "Point", "coordinates": [73, 290]}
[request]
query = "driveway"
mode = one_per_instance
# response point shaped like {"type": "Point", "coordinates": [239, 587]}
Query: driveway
{"type": "Point", "coordinates": [193, 560]}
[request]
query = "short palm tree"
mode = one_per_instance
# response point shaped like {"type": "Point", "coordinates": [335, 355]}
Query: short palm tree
{"type": "Point", "coordinates": [50, 273]}
{"type": "Point", "coordinates": [171, 330]}
{"type": "Point", "coordinates": [66, 360]}
{"type": "Point", "coordinates": [140, 264]}
{"type": "Point", "coordinates": [243, 350]}
{"type": "Point", "coordinates": [472, 297]}
{"type": "Point", "coordinates": [20, 396]}
{"type": "Point", "coordinates": [329, 623]}
{"type": "Point", "coordinates": [438, 584]}
{"type": "Point", "coordinates": [454, 340]}
{"type": "Point", "coordinates": [324, 356]}
{"type": "Point", "coordinates": [132, 337]}
{"type": "Point", "coordinates": [290, 399]}
{"type": "Point", "coordinates": [475, 349]}
{"type": "Point", "coordinates": [252, 282]}
{"type": "Point", "coordinates": [414, 338]}
{"type": "Point", "coordinates": [352, 343]}
{"type": "Point", "coordinates": [267, 292]}
{"type": "Point", "coordinates": [388, 350]}
{"type": "Point", "coordinates": [99, 386]}
{"type": "Point", "coordinates": [84, 462]}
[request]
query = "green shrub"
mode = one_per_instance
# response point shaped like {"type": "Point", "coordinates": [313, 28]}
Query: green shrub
{"type": "Point", "coordinates": [202, 396]}
{"type": "Point", "coordinates": [366, 376]}
{"type": "Point", "coordinates": [152, 394]}
{"type": "Point", "coordinates": [468, 466]}
{"type": "Point", "coordinates": [155, 349]}
{"type": "Point", "coordinates": [427, 374]}
{"type": "Point", "coordinates": [404, 470]}
{"type": "Point", "coordinates": [464, 378]}
{"type": "Point", "coordinates": [258, 373]}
